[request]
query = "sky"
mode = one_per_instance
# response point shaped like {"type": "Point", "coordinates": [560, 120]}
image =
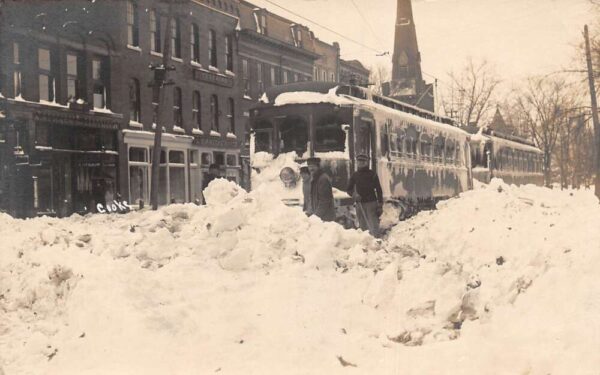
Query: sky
{"type": "Point", "coordinates": [519, 37]}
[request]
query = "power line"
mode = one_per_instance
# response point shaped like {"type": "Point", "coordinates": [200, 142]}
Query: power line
{"type": "Point", "coordinates": [367, 23]}
{"type": "Point", "coordinates": [323, 27]}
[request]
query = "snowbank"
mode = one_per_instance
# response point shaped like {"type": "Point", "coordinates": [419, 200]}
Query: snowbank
{"type": "Point", "coordinates": [502, 280]}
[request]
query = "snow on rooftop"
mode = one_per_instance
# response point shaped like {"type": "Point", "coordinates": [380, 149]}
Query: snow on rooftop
{"type": "Point", "coordinates": [501, 280]}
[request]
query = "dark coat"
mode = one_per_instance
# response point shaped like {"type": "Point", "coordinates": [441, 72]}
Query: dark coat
{"type": "Point", "coordinates": [366, 183]}
{"type": "Point", "coordinates": [321, 197]}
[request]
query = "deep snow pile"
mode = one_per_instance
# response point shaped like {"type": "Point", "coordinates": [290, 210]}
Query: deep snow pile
{"type": "Point", "coordinates": [500, 280]}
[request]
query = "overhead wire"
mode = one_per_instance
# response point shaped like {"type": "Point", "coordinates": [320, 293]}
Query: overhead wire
{"type": "Point", "coordinates": [323, 27]}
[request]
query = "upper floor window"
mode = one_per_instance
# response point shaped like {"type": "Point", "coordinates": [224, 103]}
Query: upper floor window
{"type": "Point", "coordinates": [214, 113]}
{"type": "Point", "coordinates": [133, 24]}
{"type": "Point", "coordinates": [231, 116]}
{"type": "Point", "coordinates": [196, 114]}
{"type": "Point", "coordinates": [212, 48]}
{"type": "Point", "coordinates": [100, 80]}
{"type": "Point", "coordinates": [259, 77]}
{"type": "Point", "coordinates": [45, 78]}
{"type": "Point", "coordinates": [263, 24]}
{"type": "Point", "coordinates": [16, 70]}
{"type": "Point", "coordinates": [273, 76]}
{"type": "Point", "coordinates": [229, 53]}
{"type": "Point", "coordinates": [134, 100]}
{"type": "Point", "coordinates": [245, 77]}
{"type": "Point", "coordinates": [72, 76]}
{"type": "Point", "coordinates": [155, 32]}
{"type": "Point", "coordinates": [177, 112]}
{"type": "Point", "coordinates": [175, 38]}
{"type": "Point", "coordinates": [286, 78]}
{"type": "Point", "coordinates": [195, 43]}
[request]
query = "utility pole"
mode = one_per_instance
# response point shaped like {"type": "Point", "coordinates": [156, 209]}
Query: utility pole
{"type": "Point", "coordinates": [160, 81]}
{"type": "Point", "coordinates": [596, 123]}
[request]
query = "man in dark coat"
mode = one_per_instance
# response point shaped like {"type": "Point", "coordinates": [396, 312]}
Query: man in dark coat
{"type": "Point", "coordinates": [365, 189]}
{"type": "Point", "coordinates": [321, 192]}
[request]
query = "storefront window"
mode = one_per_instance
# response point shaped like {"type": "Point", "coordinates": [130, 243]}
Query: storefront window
{"type": "Point", "coordinates": [231, 160]}
{"type": "Point", "coordinates": [138, 175]}
{"type": "Point", "coordinates": [177, 176]}
{"type": "Point", "coordinates": [195, 175]}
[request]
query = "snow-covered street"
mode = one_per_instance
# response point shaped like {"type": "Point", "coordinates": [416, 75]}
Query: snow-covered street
{"type": "Point", "coordinates": [501, 280]}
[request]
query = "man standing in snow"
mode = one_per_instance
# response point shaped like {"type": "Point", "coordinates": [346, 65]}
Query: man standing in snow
{"type": "Point", "coordinates": [321, 192]}
{"type": "Point", "coordinates": [305, 174]}
{"type": "Point", "coordinates": [213, 173]}
{"type": "Point", "coordinates": [365, 189]}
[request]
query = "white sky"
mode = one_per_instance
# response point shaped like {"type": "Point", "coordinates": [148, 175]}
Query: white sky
{"type": "Point", "coordinates": [520, 37]}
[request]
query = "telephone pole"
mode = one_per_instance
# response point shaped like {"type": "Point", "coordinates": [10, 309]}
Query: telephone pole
{"type": "Point", "coordinates": [159, 81]}
{"type": "Point", "coordinates": [595, 120]}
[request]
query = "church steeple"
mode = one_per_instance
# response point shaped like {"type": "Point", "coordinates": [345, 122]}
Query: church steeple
{"type": "Point", "coordinates": [406, 59]}
{"type": "Point", "coordinates": [407, 82]}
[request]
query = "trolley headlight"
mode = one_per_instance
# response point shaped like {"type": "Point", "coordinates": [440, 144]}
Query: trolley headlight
{"type": "Point", "coordinates": [288, 177]}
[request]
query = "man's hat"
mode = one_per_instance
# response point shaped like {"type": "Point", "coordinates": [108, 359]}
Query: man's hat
{"type": "Point", "coordinates": [313, 161]}
{"type": "Point", "coordinates": [362, 157]}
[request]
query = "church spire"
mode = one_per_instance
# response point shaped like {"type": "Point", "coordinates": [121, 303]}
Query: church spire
{"type": "Point", "coordinates": [407, 82]}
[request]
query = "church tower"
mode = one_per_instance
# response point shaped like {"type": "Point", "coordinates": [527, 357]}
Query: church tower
{"type": "Point", "coordinates": [407, 82]}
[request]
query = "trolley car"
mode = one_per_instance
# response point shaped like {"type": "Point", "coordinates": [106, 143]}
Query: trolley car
{"type": "Point", "coordinates": [420, 157]}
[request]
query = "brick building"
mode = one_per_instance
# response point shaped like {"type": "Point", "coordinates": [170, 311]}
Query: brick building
{"type": "Point", "coordinates": [58, 137]}
{"type": "Point", "coordinates": [77, 114]}
{"type": "Point", "coordinates": [354, 70]}
{"type": "Point", "coordinates": [204, 120]}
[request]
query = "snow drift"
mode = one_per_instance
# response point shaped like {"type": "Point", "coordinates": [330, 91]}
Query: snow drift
{"type": "Point", "coordinates": [499, 280]}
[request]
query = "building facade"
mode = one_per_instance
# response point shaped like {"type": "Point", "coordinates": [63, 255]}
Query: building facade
{"type": "Point", "coordinates": [353, 71]}
{"type": "Point", "coordinates": [202, 121]}
{"type": "Point", "coordinates": [78, 113]}
{"type": "Point", "coordinates": [58, 136]}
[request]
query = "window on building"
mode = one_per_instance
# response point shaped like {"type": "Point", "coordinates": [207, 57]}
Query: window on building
{"type": "Point", "coordinates": [176, 176]}
{"type": "Point", "coordinates": [133, 24]}
{"type": "Point", "coordinates": [286, 77]}
{"type": "Point", "coordinates": [231, 116]}
{"type": "Point", "coordinates": [214, 113]}
{"type": "Point", "coordinates": [273, 76]}
{"type": "Point", "coordinates": [263, 24]}
{"type": "Point", "coordinates": [212, 48]}
{"type": "Point", "coordinates": [245, 77]}
{"type": "Point", "coordinates": [16, 70]}
{"type": "Point", "coordinates": [195, 43]}
{"type": "Point", "coordinates": [46, 80]}
{"type": "Point", "coordinates": [259, 76]}
{"type": "Point", "coordinates": [99, 78]}
{"type": "Point", "coordinates": [196, 114]}
{"type": "Point", "coordinates": [134, 100]}
{"type": "Point", "coordinates": [195, 176]}
{"type": "Point", "coordinates": [72, 76]}
{"type": "Point", "coordinates": [176, 38]}
{"type": "Point", "coordinates": [177, 112]}
{"type": "Point", "coordinates": [138, 175]}
{"type": "Point", "coordinates": [229, 53]}
{"type": "Point", "coordinates": [155, 32]}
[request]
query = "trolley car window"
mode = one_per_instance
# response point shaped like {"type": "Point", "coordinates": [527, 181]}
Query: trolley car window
{"type": "Point", "coordinates": [450, 151]}
{"type": "Point", "coordinates": [293, 135]}
{"type": "Point", "coordinates": [412, 137]}
{"type": "Point", "coordinates": [438, 149]}
{"type": "Point", "coordinates": [329, 135]}
{"type": "Point", "coordinates": [425, 147]}
{"type": "Point", "coordinates": [400, 138]}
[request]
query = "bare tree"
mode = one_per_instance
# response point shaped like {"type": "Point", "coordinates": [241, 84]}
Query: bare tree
{"type": "Point", "coordinates": [379, 75]}
{"type": "Point", "coordinates": [546, 105]}
{"type": "Point", "coordinates": [469, 97]}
